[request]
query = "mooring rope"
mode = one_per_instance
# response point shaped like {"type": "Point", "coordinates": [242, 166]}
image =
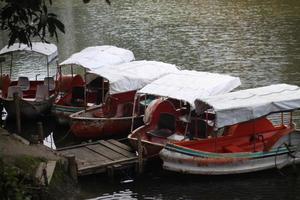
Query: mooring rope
{"type": "Point", "coordinates": [61, 139]}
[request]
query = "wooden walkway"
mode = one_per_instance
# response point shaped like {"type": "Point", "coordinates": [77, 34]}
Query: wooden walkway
{"type": "Point", "coordinates": [101, 156]}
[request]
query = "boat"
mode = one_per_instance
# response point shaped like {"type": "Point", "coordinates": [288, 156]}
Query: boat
{"type": "Point", "coordinates": [71, 100]}
{"type": "Point", "coordinates": [114, 117]}
{"type": "Point", "coordinates": [255, 132]}
{"type": "Point", "coordinates": [36, 96]}
{"type": "Point", "coordinates": [170, 116]}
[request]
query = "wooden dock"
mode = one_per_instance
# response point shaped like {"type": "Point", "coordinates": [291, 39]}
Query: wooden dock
{"type": "Point", "coordinates": [100, 156]}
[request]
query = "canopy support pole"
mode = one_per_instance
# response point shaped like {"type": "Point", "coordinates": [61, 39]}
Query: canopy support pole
{"type": "Point", "coordinates": [60, 78]}
{"type": "Point", "coordinates": [291, 124]}
{"type": "Point", "coordinates": [48, 76]}
{"type": "Point", "coordinates": [85, 95]}
{"type": "Point", "coordinates": [72, 71]}
{"type": "Point", "coordinates": [102, 95]}
{"type": "Point", "coordinates": [254, 134]}
{"type": "Point", "coordinates": [187, 124]}
{"type": "Point", "coordinates": [133, 112]}
{"type": "Point", "coordinates": [11, 64]}
{"type": "Point", "coordinates": [1, 68]}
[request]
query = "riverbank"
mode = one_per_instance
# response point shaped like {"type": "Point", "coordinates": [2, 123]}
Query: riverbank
{"type": "Point", "coordinates": [19, 163]}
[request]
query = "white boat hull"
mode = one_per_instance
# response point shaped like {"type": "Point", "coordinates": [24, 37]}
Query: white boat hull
{"type": "Point", "coordinates": [180, 160]}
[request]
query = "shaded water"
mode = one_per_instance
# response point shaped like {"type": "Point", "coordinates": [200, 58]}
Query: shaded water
{"type": "Point", "coordinates": [257, 40]}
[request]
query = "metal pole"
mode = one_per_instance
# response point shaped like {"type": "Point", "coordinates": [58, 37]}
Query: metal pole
{"type": "Point", "coordinates": [189, 121]}
{"type": "Point", "coordinates": [133, 112]}
{"type": "Point", "coordinates": [1, 68]}
{"type": "Point", "coordinates": [11, 64]}
{"type": "Point", "coordinates": [102, 95]}
{"type": "Point", "coordinates": [72, 70]}
{"type": "Point", "coordinates": [85, 95]}
{"type": "Point", "coordinates": [48, 76]}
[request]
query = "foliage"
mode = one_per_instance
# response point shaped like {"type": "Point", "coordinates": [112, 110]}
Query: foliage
{"type": "Point", "coordinates": [16, 178]}
{"type": "Point", "coordinates": [11, 183]}
{"type": "Point", "coordinates": [27, 19]}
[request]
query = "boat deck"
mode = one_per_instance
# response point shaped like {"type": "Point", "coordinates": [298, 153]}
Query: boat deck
{"type": "Point", "coordinates": [101, 156]}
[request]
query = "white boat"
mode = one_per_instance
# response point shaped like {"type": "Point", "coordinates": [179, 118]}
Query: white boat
{"type": "Point", "coordinates": [249, 140]}
{"type": "Point", "coordinates": [114, 117]}
{"type": "Point", "coordinates": [72, 100]}
{"type": "Point", "coordinates": [36, 96]}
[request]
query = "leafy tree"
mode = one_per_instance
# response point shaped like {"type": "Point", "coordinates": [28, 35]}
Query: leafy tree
{"type": "Point", "coordinates": [28, 19]}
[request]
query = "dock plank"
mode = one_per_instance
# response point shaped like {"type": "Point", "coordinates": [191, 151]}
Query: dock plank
{"type": "Point", "coordinates": [103, 167]}
{"type": "Point", "coordinates": [86, 157]}
{"type": "Point", "coordinates": [100, 156]}
{"type": "Point", "coordinates": [106, 152]}
{"type": "Point", "coordinates": [117, 149]}
{"type": "Point", "coordinates": [119, 144]}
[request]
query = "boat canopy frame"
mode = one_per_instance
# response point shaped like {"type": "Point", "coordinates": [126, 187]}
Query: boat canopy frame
{"type": "Point", "coordinates": [187, 85]}
{"type": "Point", "coordinates": [250, 104]}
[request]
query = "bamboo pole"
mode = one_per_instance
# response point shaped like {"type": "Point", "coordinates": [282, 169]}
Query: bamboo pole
{"type": "Point", "coordinates": [18, 112]}
{"type": "Point", "coordinates": [40, 131]}
{"type": "Point", "coordinates": [140, 155]}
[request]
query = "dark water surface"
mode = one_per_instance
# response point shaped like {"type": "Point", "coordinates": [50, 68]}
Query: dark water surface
{"type": "Point", "coordinates": [257, 40]}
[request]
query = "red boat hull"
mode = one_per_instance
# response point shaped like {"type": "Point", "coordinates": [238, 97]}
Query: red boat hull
{"type": "Point", "coordinates": [100, 128]}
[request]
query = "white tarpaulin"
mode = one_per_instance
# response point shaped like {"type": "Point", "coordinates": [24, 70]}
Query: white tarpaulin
{"type": "Point", "coordinates": [244, 105]}
{"type": "Point", "coordinates": [131, 76]}
{"type": "Point", "coordinates": [98, 56]}
{"type": "Point", "coordinates": [49, 50]}
{"type": "Point", "coordinates": [188, 85]}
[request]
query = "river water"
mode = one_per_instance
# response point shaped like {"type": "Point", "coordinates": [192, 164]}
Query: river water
{"type": "Point", "coordinates": [257, 40]}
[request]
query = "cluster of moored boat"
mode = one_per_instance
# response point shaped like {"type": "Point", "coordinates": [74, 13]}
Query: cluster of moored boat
{"type": "Point", "coordinates": [191, 119]}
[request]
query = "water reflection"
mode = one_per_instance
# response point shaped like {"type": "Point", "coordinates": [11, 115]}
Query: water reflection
{"type": "Point", "coordinates": [157, 184]}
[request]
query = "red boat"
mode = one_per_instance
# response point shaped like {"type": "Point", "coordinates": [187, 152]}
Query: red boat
{"type": "Point", "coordinates": [115, 116]}
{"type": "Point", "coordinates": [171, 117]}
{"type": "Point", "coordinates": [253, 131]}
{"type": "Point", "coordinates": [79, 95]}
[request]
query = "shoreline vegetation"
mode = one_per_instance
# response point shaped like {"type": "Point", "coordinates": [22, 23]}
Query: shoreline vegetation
{"type": "Point", "coordinates": [19, 166]}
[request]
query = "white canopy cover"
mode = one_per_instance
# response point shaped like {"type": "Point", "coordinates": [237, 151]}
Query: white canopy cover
{"type": "Point", "coordinates": [245, 105]}
{"type": "Point", "coordinates": [133, 75]}
{"type": "Point", "coordinates": [188, 85]}
{"type": "Point", "coordinates": [95, 57]}
{"type": "Point", "coordinates": [49, 50]}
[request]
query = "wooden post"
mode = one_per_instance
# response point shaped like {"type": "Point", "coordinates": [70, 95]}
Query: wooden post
{"type": "Point", "coordinates": [18, 112]}
{"type": "Point", "coordinates": [140, 154]}
{"type": "Point", "coordinates": [111, 172]}
{"type": "Point", "coordinates": [72, 167]}
{"type": "Point", "coordinates": [40, 131]}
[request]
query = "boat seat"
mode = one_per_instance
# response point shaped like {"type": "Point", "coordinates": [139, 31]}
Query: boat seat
{"type": "Point", "coordinates": [198, 128]}
{"type": "Point", "coordinates": [128, 109]}
{"type": "Point", "coordinates": [49, 81]}
{"type": "Point", "coordinates": [12, 90]}
{"type": "Point", "coordinates": [120, 111]}
{"type": "Point", "coordinates": [165, 126]}
{"type": "Point", "coordinates": [23, 83]}
{"type": "Point", "coordinates": [232, 149]}
{"type": "Point", "coordinates": [77, 96]}
{"type": "Point", "coordinates": [42, 93]}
